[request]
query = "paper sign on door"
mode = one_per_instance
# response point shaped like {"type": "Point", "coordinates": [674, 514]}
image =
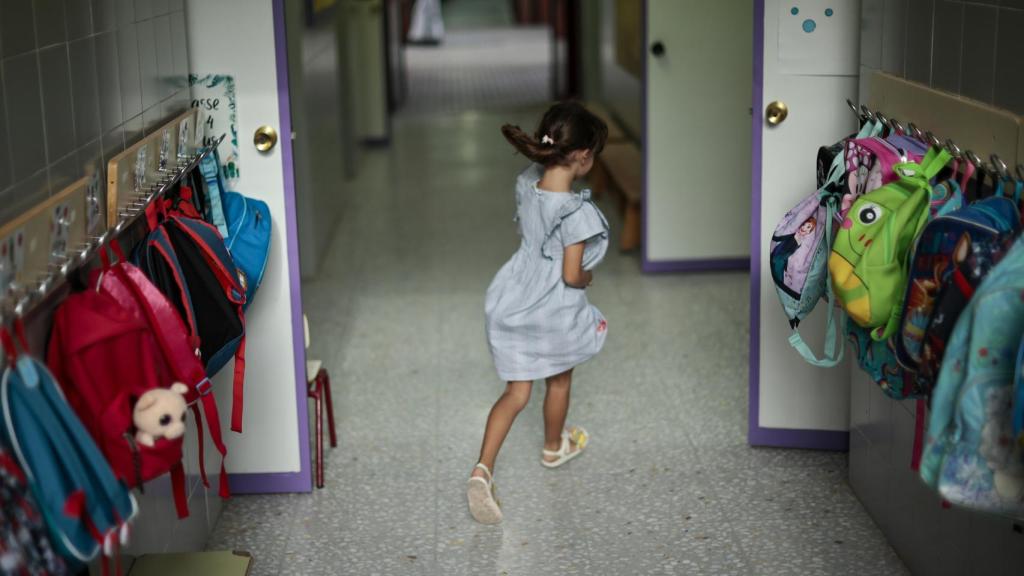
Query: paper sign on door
{"type": "Point", "coordinates": [818, 38]}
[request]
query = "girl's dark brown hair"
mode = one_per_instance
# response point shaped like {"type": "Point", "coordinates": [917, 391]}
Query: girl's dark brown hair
{"type": "Point", "coordinates": [568, 126]}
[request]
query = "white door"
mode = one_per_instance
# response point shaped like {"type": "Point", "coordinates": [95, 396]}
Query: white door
{"type": "Point", "coordinates": [245, 40]}
{"type": "Point", "coordinates": [698, 87]}
{"type": "Point", "coordinates": [808, 60]}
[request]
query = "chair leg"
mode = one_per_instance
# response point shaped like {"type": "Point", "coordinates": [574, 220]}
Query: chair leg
{"type": "Point", "coordinates": [320, 435]}
{"type": "Point", "coordinates": [631, 232]}
{"type": "Point", "coordinates": [330, 408]}
{"type": "Point", "coordinates": [315, 393]}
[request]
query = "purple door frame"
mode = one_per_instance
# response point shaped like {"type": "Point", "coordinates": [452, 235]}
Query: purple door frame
{"type": "Point", "coordinates": [756, 434]}
{"type": "Point", "coordinates": [661, 266]}
{"type": "Point", "coordinates": [301, 481]}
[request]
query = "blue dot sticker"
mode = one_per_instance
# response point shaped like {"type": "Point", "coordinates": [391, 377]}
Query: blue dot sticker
{"type": "Point", "coordinates": [810, 25]}
{"type": "Point", "coordinates": [829, 12]}
{"type": "Point", "coordinates": [794, 11]}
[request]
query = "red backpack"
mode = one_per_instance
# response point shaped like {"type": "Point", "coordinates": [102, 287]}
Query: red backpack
{"type": "Point", "coordinates": [112, 343]}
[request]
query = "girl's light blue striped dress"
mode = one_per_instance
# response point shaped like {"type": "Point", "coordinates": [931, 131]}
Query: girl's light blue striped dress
{"type": "Point", "coordinates": [537, 326]}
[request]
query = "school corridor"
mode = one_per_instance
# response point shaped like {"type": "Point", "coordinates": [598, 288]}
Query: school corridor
{"type": "Point", "coordinates": [223, 215]}
{"type": "Point", "coordinates": [668, 486]}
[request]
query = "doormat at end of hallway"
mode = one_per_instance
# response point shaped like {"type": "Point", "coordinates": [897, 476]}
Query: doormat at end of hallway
{"type": "Point", "coordinates": [213, 563]}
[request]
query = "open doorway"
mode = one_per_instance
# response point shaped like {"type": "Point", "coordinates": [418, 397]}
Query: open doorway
{"type": "Point", "coordinates": [492, 55]}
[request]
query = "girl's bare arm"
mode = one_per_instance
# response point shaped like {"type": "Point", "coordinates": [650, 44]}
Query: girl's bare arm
{"type": "Point", "coordinates": [572, 267]}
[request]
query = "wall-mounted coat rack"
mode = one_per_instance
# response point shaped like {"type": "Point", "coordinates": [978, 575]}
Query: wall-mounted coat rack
{"type": "Point", "coordinates": [974, 131]}
{"type": "Point", "coordinates": [137, 177]}
{"type": "Point", "coordinates": [41, 237]}
{"type": "Point", "coordinates": [156, 157]}
{"type": "Point", "coordinates": [994, 165]}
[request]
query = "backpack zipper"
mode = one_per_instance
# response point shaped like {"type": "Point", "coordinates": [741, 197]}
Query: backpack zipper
{"type": "Point", "coordinates": [136, 461]}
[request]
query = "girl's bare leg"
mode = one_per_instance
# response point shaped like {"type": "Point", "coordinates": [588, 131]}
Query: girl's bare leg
{"type": "Point", "coordinates": [556, 407]}
{"type": "Point", "coordinates": [503, 414]}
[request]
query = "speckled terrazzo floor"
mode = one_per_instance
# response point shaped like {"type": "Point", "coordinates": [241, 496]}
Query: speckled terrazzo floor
{"type": "Point", "coordinates": [668, 486]}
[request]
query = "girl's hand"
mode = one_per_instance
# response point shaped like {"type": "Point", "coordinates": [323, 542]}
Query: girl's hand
{"type": "Point", "coordinates": [572, 267]}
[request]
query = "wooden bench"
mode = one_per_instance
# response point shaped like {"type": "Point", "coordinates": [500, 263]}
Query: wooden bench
{"type": "Point", "coordinates": [615, 133]}
{"type": "Point", "coordinates": [619, 168]}
{"type": "Point", "coordinates": [622, 171]}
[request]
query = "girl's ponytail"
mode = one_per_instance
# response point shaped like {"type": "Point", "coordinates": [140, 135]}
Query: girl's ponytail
{"type": "Point", "coordinates": [565, 128]}
{"type": "Point", "coordinates": [545, 154]}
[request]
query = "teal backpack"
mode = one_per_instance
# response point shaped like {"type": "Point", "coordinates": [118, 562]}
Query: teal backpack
{"type": "Point", "coordinates": [969, 452]}
{"type": "Point", "coordinates": [1018, 396]}
{"type": "Point", "coordinates": [85, 507]}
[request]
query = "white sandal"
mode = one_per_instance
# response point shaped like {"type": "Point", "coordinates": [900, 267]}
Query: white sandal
{"type": "Point", "coordinates": [579, 437]}
{"type": "Point", "coordinates": [483, 504]}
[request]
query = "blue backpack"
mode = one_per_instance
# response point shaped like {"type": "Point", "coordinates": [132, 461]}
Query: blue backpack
{"type": "Point", "coordinates": [969, 453]}
{"type": "Point", "coordinates": [243, 222]}
{"type": "Point", "coordinates": [85, 507]}
{"type": "Point", "coordinates": [248, 239]}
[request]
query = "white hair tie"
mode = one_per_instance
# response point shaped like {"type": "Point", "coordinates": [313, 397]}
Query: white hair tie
{"type": "Point", "coordinates": [547, 140]}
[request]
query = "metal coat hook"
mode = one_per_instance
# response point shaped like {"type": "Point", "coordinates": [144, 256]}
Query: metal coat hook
{"type": "Point", "coordinates": [916, 132]}
{"type": "Point", "coordinates": [1000, 166]}
{"type": "Point", "coordinates": [974, 159]}
{"type": "Point", "coordinates": [931, 139]}
{"type": "Point", "coordinates": [954, 149]}
{"type": "Point", "coordinates": [867, 112]}
{"type": "Point", "coordinates": [854, 108]}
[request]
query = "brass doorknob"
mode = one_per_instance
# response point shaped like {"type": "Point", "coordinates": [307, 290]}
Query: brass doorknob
{"type": "Point", "coordinates": [265, 138]}
{"type": "Point", "coordinates": [776, 113]}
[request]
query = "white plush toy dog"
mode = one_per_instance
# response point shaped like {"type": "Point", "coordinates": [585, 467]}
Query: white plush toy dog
{"type": "Point", "coordinates": [160, 413]}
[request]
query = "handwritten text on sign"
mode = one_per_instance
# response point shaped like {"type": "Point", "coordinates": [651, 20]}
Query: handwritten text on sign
{"type": "Point", "coordinates": [214, 96]}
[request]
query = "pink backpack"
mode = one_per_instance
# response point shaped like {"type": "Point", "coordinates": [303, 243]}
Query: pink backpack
{"type": "Point", "coordinates": [870, 165]}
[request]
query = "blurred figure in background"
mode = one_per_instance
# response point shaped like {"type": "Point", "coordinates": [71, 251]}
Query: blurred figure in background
{"type": "Point", "coordinates": [427, 25]}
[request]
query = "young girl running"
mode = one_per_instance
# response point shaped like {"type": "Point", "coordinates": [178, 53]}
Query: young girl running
{"type": "Point", "coordinates": [539, 323]}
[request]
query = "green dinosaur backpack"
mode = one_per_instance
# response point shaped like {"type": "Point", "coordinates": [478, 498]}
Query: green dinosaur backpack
{"type": "Point", "coordinates": [869, 256]}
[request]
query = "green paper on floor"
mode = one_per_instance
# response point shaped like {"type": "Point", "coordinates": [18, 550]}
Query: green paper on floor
{"type": "Point", "coordinates": [221, 563]}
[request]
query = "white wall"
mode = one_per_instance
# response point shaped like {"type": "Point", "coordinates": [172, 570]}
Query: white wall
{"type": "Point", "coordinates": [316, 83]}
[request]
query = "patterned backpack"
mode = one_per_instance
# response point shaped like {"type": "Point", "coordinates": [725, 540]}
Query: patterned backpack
{"type": "Point", "coordinates": [24, 544]}
{"type": "Point", "coordinates": [871, 164]}
{"type": "Point", "coordinates": [943, 244]}
{"type": "Point", "coordinates": [799, 253]}
{"type": "Point", "coordinates": [969, 454]}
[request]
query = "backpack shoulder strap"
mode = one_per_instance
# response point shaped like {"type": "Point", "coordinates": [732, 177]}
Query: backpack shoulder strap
{"type": "Point", "coordinates": [205, 237]}
{"type": "Point", "coordinates": [832, 356]}
{"type": "Point", "coordinates": [159, 243]}
{"type": "Point", "coordinates": [210, 168]}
